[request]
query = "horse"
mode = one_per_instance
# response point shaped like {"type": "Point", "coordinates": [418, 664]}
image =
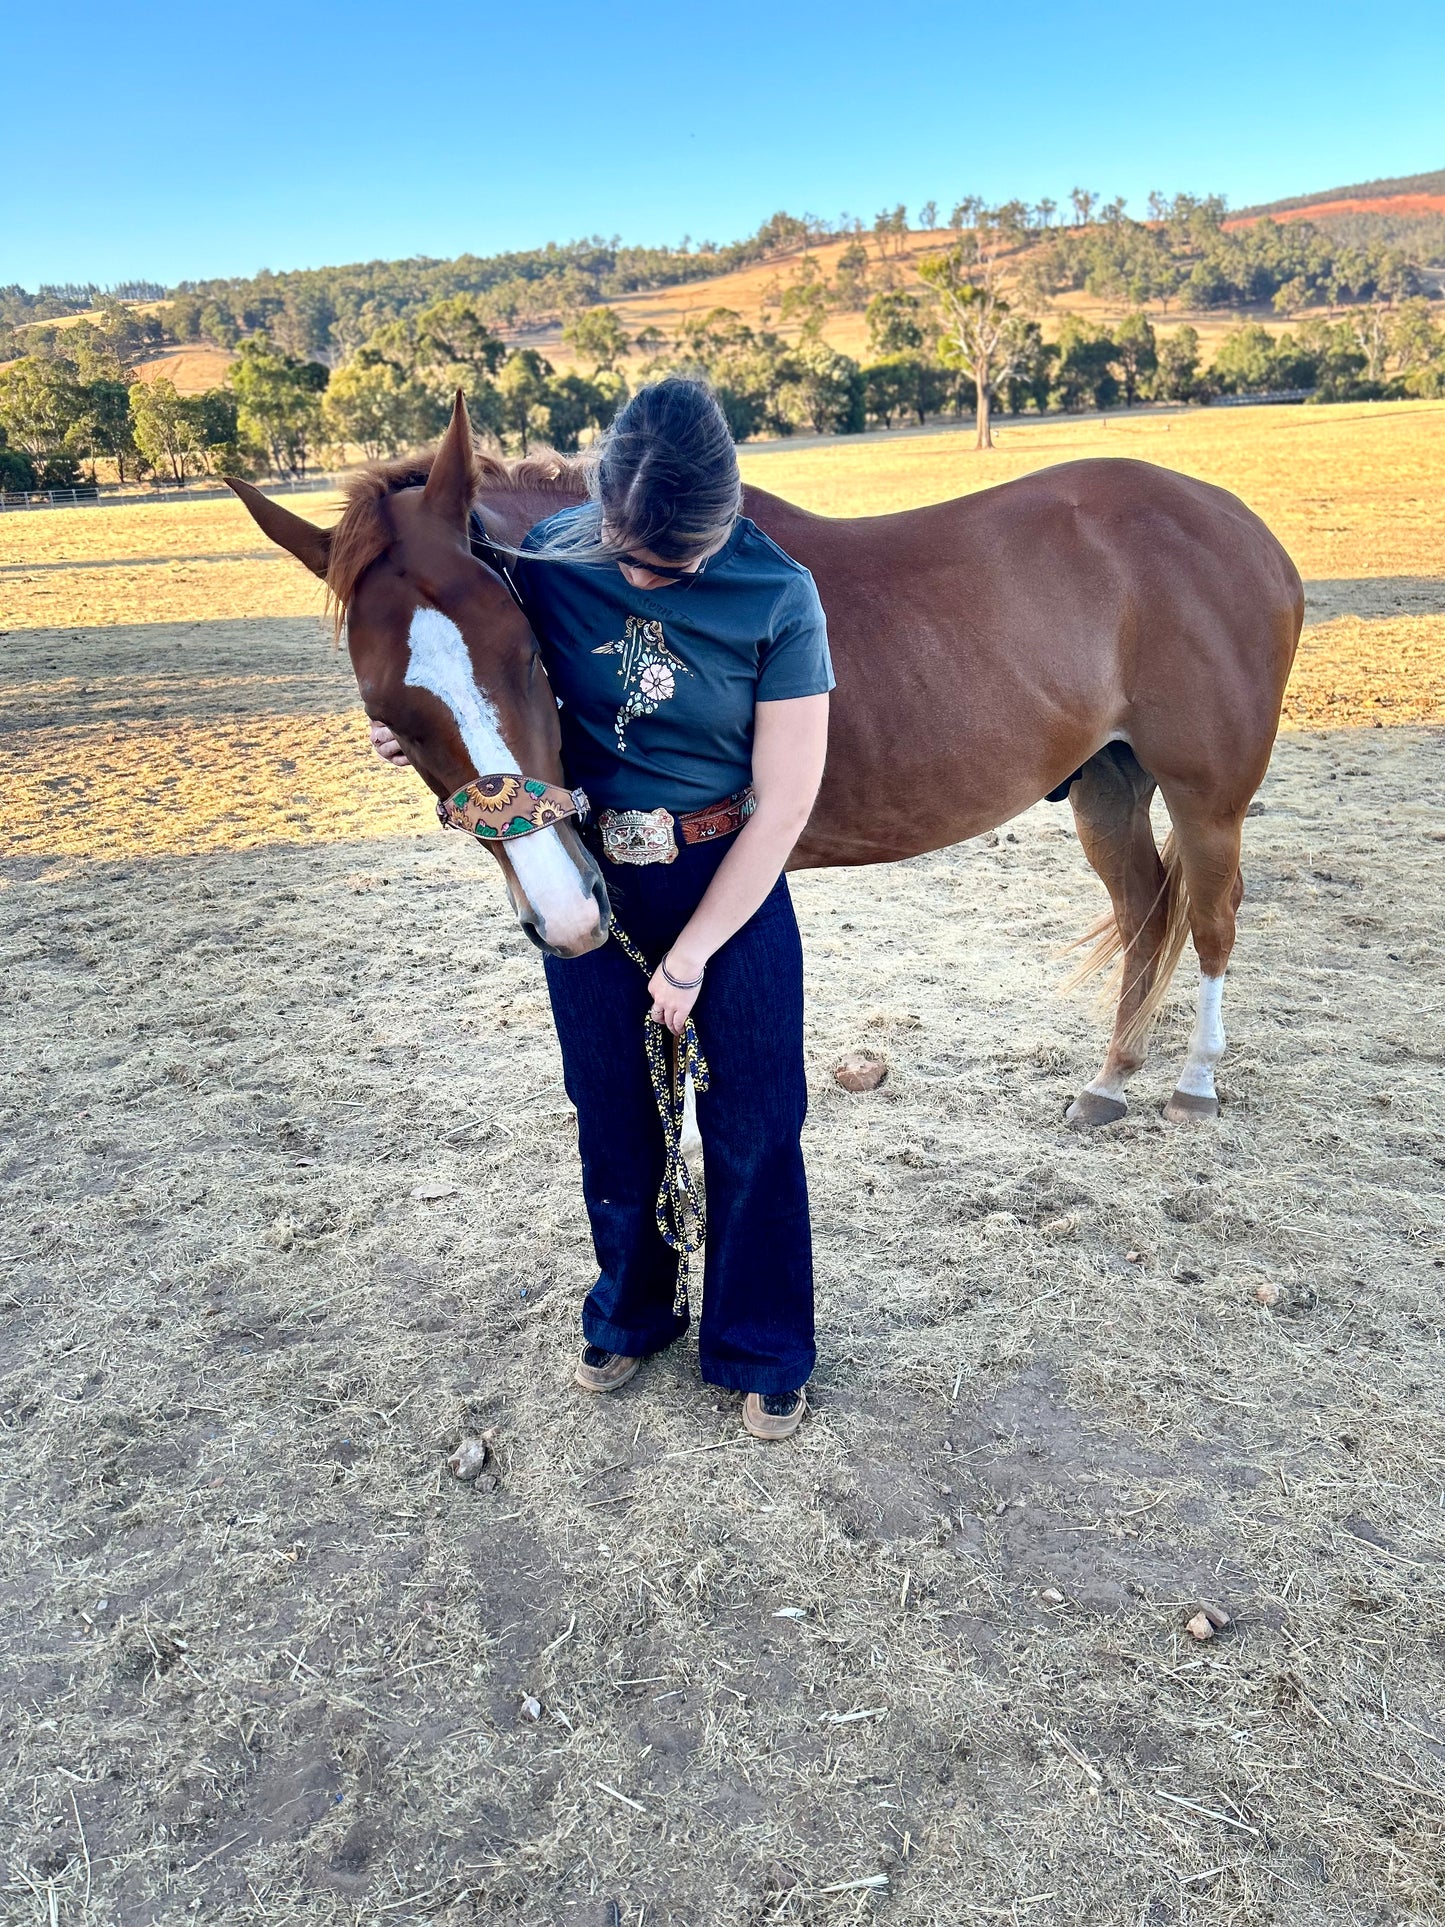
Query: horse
{"type": "Point", "coordinates": [1100, 629]}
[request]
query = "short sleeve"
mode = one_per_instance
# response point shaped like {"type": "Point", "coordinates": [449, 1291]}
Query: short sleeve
{"type": "Point", "coordinates": [794, 659]}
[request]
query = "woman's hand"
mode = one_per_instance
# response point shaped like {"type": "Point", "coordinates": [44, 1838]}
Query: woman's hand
{"type": "Point", "coordinates": [790, 741]}
{"type": "Point", "coordinates": [671, 1006]}
{"type": "Point", "coordinates": [387, 747]}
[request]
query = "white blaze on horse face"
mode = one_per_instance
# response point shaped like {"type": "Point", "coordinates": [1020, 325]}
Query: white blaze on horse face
{"type": "Point", "coordinates": [553, 885]}
{"type": "Point", "coordinates": [440, 663]}
{"type": "Point", "coordinates": [1206, 1046]}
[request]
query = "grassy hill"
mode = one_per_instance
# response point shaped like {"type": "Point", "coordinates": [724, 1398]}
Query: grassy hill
{"type": "Point", "coordinates": [754, 292]}
{"type": "Point", "coordinates": [799, 288]}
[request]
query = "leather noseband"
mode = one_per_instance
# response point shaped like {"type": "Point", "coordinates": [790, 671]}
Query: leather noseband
{"type": "Point", "coordinates": [496, 809]}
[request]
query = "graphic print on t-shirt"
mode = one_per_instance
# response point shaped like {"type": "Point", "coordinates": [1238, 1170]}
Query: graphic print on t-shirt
{"type": "Point", "coordinates": [648, 669]}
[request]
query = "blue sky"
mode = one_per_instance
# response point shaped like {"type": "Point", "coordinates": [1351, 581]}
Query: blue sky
{"type": "Point", "coordinates": [177, 141]}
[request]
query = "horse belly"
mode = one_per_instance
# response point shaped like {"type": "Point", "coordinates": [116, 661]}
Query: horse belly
{"type": "Point", "coordinates": [932, 773]}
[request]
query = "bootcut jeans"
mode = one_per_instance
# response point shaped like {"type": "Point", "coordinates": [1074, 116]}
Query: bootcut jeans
{"type": "Point", "coordinates": [756, 1329]}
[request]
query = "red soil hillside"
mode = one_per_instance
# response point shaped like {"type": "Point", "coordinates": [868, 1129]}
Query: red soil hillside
{"type": "Point", "coordinates": [1409, 195]}
{"type": "Point", "coordinates": [1404, 204]}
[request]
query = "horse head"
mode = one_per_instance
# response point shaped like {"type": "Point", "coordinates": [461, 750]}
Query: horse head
{"type": "Point", "coordinates": [444, 656]}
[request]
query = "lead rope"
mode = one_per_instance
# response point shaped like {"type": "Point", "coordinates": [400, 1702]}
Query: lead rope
{"type": "Point", "coordinates": [669, 1085]}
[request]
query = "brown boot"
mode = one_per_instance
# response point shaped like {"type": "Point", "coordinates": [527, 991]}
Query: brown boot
{"type": "Point", "coordinates": [774, 1415]}
{"type": "Point", "coordinates": [599, 1371]}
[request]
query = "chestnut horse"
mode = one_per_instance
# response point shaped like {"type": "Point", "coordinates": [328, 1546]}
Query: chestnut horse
{"type": "Point", "coordinates": [1107, 625]}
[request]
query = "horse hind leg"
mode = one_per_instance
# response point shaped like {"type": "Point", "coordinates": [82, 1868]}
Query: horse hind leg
{"type": "Point", "coordinates": [1208, 843]}
{"type": "Point", "coordinates": [1144, 932]}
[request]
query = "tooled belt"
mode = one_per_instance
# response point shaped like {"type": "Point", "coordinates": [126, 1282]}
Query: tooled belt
{"type": "Point", "coordinates": [499, 808]}
{"type": "Point", "coordinates": [651, 836]}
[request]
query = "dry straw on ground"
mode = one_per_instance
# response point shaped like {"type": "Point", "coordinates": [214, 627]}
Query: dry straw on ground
{"type": "Point", "coordinates": [292, 1215]}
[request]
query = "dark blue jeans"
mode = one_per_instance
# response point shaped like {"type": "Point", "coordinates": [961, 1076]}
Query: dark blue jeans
{"type": "Point", "coordinates": [756, 1332]}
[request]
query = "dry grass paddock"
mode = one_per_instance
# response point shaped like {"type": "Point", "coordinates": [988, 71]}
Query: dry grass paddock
{"type": "Point", "coordinates": [292, 1209]}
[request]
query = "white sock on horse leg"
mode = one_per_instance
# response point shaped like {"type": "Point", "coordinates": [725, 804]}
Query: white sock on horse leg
{"type": "Point", "coordinates": [1110, 1083]}
{"type": "Point", "coordinates": [1206, 1046]}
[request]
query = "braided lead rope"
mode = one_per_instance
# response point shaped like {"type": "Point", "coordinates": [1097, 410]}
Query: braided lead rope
{"type": "Point", "coordinates": [669, 1084]}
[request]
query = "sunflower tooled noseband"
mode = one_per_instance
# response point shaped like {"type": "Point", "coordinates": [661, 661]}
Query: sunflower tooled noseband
{"type": "Point", "coordinates": [494, 809]}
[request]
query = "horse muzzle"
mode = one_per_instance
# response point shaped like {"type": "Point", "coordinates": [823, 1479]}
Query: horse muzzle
{"type": "Point", "coordinates": [581, 923]}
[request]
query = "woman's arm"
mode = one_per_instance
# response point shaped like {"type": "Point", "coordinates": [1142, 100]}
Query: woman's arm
{"type": "Point", "coordinates": [790, 741]}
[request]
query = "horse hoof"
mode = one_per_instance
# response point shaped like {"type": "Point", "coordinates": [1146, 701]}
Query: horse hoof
{"type": "Point", "coordinates": [1185, 1108]}
{"type": "Point", "coordinates": [1090, 1109]}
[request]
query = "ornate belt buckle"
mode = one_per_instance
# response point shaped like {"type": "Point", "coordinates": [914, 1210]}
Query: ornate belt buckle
{"type": "Point", "coordinates": [638, 836]}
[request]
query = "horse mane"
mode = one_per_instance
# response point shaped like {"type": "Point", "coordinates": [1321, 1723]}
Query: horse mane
{"type": "Point", "coordinates": [364, 531]}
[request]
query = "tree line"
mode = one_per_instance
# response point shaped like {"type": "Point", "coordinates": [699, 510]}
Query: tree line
{"type": "Point", "coordinates": [326, 314]}
{"type": "Point", "coordinates": [52, 300]}
{"type": "Point", "coordinates": [277, 411]}
{"type": "Point", "coordinates": [1184, 253]}
{"type": "Point", "coordinates": [76, 399]}
{"type": "Point", "coordinates": [923, 364]}
{"type": "Point", "coordinates": [965, 335]}
{"type": "Point", "coordinates": [1182, 250]}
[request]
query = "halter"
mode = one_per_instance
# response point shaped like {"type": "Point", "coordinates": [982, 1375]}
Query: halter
{"type": "Point", "coordinates": [498, 809]}
{"type": "Point", "coordinates": [485, 550]}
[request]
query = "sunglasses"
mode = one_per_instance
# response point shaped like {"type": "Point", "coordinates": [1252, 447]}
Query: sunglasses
{"type": "Point", "coordinates": [672, 573]}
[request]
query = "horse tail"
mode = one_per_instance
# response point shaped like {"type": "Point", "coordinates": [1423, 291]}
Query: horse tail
{"type": "Point", "coordinates": [1104, 952]}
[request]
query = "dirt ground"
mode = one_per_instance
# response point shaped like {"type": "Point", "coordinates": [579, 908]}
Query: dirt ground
{"type": "Point", "coordinates": [291, 1207]}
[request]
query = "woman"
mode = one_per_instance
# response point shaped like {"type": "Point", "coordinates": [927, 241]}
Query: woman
{"type": "Point", "coordinates": [689, 656]}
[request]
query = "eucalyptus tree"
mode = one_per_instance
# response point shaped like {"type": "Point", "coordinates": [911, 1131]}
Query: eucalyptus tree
{"type": "Point", "coordinates": [974, 280]}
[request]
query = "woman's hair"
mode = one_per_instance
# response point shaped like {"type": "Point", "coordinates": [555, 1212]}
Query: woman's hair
{"type": "Point", "coordinates": [665, 478]}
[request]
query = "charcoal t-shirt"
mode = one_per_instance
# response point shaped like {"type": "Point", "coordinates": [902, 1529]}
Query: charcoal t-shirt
{"type": "Point", "coordinates": [657, 686]}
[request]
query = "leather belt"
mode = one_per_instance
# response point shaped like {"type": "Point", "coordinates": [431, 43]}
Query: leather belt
{"type": "Point", "coordinates": [651, 836]}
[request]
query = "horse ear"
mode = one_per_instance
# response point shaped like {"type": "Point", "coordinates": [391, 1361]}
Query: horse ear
{"type": "Point", "coordinates": [453, 479]}
{"type": "Point", "coordinates": [307, 542]}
